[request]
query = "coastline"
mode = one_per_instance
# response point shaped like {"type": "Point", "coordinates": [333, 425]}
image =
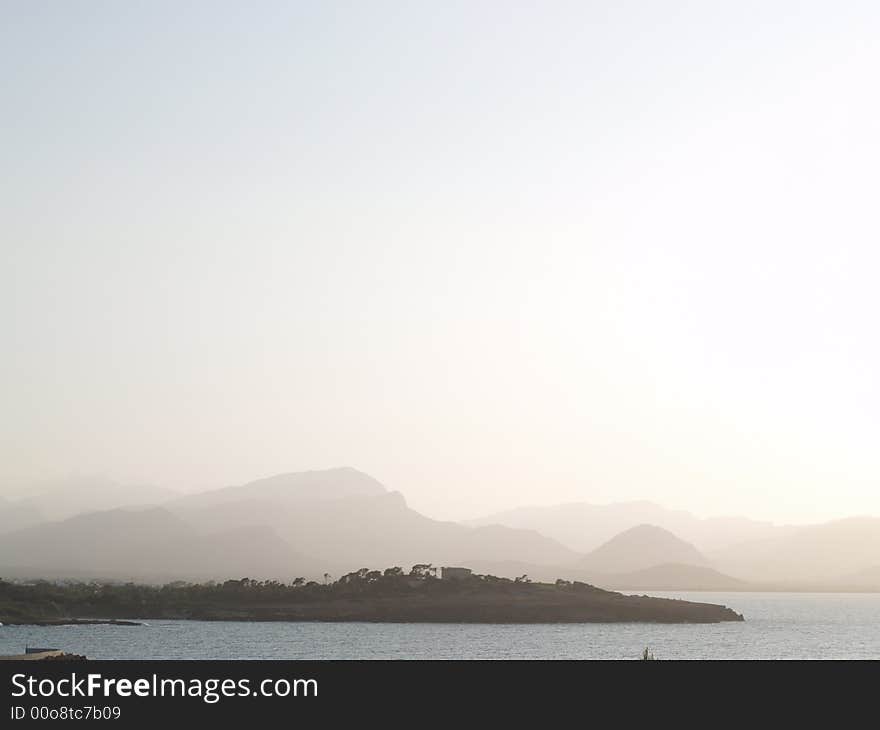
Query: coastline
{"type": "Point", "coordinates": [464, 604]}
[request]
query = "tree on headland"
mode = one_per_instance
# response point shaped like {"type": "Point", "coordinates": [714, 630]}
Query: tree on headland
{"type": "Point", "coordinates": [423, 570]}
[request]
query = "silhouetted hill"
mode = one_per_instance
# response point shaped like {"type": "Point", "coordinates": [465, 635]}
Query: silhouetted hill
{"type": "Point", "coordinates": [638, 548]}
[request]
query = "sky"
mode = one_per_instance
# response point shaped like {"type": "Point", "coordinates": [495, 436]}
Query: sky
{"type": "Point", "coordinates": [491, 253]}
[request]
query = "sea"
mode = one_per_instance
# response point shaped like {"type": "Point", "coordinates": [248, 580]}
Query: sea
{"type": "Point", "coordinates": [776, 626]}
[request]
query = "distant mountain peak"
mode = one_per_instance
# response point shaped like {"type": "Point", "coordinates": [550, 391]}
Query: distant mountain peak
{"type": "Point", "coordinates": [584, 526]}
{"type": "Point", "coordinates": [343, 481]}
{"type": "Point", "coordinates": [658, 536]}
{"type": "Point", "coordinates": [302, 486]}
{"type": "Point", "coordinates": [649, 531]}
{"type": "Point", "coordinates": [640, 547]}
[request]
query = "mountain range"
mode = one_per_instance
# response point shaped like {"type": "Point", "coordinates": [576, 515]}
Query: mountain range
{"type": "Point", "coordinates": [338, 520]}
{"type": "Point", "coordinates": [584, 526]}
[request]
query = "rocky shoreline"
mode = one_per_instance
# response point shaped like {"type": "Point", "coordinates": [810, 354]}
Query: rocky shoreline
{"type": "Point", "coordinates": [45, 656]}
{"type": "Point", "coordinates": [71, 622]}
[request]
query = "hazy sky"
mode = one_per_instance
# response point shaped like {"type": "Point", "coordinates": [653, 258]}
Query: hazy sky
{"type": "Point", "coordinates": [491, 253]}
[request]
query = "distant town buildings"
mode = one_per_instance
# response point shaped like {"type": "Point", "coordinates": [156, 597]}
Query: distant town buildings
{"type": "Point", "coordinates": [455, 573]}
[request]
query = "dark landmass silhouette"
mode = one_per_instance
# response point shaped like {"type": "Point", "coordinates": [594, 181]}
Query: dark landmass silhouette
{"type": "Point", "coordinates": [72, 622]}
{"type": "Point", "coordinates": [365, 595]}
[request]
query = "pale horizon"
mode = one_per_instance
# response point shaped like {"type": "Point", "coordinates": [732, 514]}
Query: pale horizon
{"type": "Point", "coordinates": [491, 256]}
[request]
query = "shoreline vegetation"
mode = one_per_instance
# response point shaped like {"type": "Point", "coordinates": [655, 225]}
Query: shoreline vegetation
{"type": "Point", "coordinates": [392, 596]}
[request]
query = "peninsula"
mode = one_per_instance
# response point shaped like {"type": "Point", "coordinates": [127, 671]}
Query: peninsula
{"type": "Point", "coordinates": [391, 596]}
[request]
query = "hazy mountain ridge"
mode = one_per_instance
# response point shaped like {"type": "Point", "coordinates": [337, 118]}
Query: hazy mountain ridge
{"type": "Point", "coordinates": [341, 519]}
{"type": "Point", "coordinates": [338, 520]}
{"type": "Point", "coordinates": [584, 526]}
{"type": "Point", "coordinates": [363, 529]}
{"type": "Point", "coordinates": [149, 544]}
{"type": "Point", "coordinates": [761, 554]}
{"type": "Point", "coordinates": [58, 499]}
{"type": "Point", "coordinates": [827, 552]}
{"type": "Point", "coordinates": [316, 485]}
{"type": "Point", "coordinates": [17, 515]}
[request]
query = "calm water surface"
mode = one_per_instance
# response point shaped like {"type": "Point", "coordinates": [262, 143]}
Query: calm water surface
{"type": "Point", "coordinates": [777, 626]}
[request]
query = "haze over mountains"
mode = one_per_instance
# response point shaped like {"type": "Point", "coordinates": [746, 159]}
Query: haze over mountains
{"type": "Point", "coordinates": [15, 515]}
{"type": "Point", "coordinates": [145, 544]}
{"type": "Point", "coordinates": [343, 517]}
{"type": "Point", "coordinates": [338, 520]}
{"type": "Point", "coordinates": [281, 527]}
{"type": "Point", "coordinates": [638, 548]}
{"type": "Point", "coordinates": [583, 526]}
{"type": "Point", "coordinates": [58, 499]}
